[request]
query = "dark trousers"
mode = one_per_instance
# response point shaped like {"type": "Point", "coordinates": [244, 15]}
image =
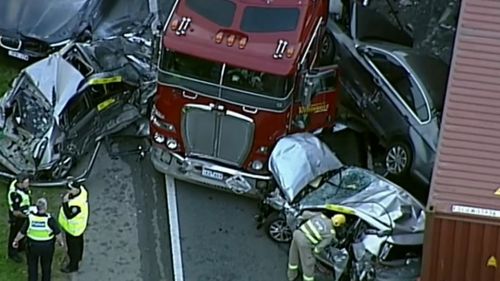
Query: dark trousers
{"type": "Point", "coordinates": [15, 226]}
{"type": "Point", "coordinates": [75, 250]}
{"type": "Point", "coordinates": [40, 252]}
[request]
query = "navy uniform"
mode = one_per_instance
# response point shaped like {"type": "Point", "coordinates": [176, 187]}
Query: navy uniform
{"type": "Point", "coordinates": [19, 201]}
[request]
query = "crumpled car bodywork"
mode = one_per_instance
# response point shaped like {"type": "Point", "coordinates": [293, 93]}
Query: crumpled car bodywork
{"type": "Point", "coordinates": [34, 28]}
{"type": "Point", "coordinates": [382, 218]}
{"type": "Point", "coordinates": [57, 107]}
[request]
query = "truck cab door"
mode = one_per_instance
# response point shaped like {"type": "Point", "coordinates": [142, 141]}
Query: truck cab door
{"type": "Point", "coordinates": [316, 106]}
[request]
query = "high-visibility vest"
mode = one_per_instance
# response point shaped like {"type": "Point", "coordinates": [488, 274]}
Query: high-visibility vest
{"type": "Point", "coordinates": [25, 197]}
{"type": "Point", "coordinates": [77, 225]}
{"type": "Point", "coordinates": [38, 228]}
{"type": "Point", "coordinates": [315, 234]}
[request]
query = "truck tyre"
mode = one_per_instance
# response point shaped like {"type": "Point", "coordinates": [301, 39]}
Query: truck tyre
{"type": "Point", "coordinates": [327, 50]}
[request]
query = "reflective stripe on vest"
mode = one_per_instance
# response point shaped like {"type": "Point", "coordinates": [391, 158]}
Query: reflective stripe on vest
{"type": "Point", "coordinates": [25, 197]}
{"type": "Point", "coordinates": [307, 278]}
{"type": "Point", "coordinates": [77, 225]}
{"type": "Point", "coordinates": [38, 228]}
{"type": "Point", "coordinates": [311, 232]}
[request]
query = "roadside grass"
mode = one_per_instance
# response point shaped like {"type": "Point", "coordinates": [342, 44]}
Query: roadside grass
{"type": "Point", "coordinates": [10, 271]}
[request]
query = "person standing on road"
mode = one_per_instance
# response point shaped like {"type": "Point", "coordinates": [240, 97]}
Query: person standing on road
{"type": "Point", "coordinates": [73, 218]}
{"type": "Point", "coordinates": [40, 228]}
{"type": "Point", "coordinates": [19, 201]}
{"type": "Point", "coordinates": [311, 238]}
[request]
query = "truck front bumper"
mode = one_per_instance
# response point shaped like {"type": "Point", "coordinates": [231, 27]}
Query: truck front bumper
{"type": "Point", "coordinates": [209, 174]}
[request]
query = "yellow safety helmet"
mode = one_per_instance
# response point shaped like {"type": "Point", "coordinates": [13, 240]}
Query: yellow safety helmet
{"type": "Point", "coordinates": [338, 220]}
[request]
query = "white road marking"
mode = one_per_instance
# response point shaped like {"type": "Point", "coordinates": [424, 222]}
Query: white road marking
{"type": "Point", "coordinates": [175, 239]}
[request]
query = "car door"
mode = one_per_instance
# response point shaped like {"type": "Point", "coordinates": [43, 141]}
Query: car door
{"type": "Point", "coordinates": [108, 97]}
{"type": "Point", "coordinates": [390, 107]}
{"type": "Point", "coordinates": [78, 121]}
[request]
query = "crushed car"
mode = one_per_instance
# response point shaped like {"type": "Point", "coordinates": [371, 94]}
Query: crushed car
{"type": "Point", "coordinates": [57, 107]}
{"type": "Point", "coordinates": [383, 237]}
{"type": "Point", "coordinates": [34, 29]}
{"type": "Point", "coordinates": [385, 78]}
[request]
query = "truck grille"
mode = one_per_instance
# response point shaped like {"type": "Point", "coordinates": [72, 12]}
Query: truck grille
{"type": "Point", "coordinates": [217, 135]}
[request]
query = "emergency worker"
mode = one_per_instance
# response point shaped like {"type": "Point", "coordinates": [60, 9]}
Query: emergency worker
{"type": "Point", "coordinates": [41, 229]}
{"type": "Point", "coordinates": [19, 201]}
{"type": "Point", "coordinates": [311, 238]}
{"type": "Point", "coordinates": [73, 218]}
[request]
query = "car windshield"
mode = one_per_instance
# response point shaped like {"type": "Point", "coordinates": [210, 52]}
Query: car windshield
{"type": "Point", "coordinates": [264, 19]}
{"type": "Point", "coordinates": [31, 109]}
{"type": "Point", "coordinates": [340, 187]}
{"type": "Point", "coordinates": [220, 12]}
{"type": "Point", "coordinates": [238, 80]}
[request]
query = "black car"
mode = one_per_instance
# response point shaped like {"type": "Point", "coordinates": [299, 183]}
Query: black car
{"type": "Point", "coordinates": [33, 29]}
{"type": "Point", "coordinates": [390, 89]}
{"type": "Point", "coordinates": [57, 107]}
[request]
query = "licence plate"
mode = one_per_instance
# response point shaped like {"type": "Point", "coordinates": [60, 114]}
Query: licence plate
{"type": "Point", "coordinates": [212, 174]}
{"type": "Point", "coordinates": [18, 55]}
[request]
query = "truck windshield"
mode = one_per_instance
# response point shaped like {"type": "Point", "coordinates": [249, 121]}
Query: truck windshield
{"type": "Point", "coordinates": [238, 80]}
{"type": "Point", "coordinates": [220, 12]}
{"type": "Point", "coordinates": [264, 19]}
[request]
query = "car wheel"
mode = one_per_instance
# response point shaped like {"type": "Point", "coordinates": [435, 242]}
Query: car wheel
{"type": "Point", "coordinates": [278, 230]}
{"type": "Point", "coordinates": [327, 50]}
{"type": "Point", "coordinates": [398, 159]}
{"type": "Point", "coordinates": [62, 168]}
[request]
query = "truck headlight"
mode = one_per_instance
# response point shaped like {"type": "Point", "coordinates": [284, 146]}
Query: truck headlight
{"type": "Point", "coordinates": [257, 165]}
{"type": "Point", "coordinates": [158, 138]}
{"type": "Point", "coordinates": [171, 143]}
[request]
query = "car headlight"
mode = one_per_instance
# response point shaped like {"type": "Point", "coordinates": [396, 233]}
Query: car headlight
{"type": "Point", "coordinates": [171, 143]}
{"type": "Point", "coordinates": [158, 138]}
{"type": "Point", "coordinates": [257, 165]}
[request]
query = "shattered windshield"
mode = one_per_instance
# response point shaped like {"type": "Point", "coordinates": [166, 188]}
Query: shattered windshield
{"type": "Point", "coordinates": [31, 111]}
{"type": "Point", "coordinates": [342, 186]}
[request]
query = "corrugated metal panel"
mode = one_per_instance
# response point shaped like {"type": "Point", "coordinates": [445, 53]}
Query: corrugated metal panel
{"type": "Point", "coordinates": [459, 249]}
{"type": "Point", "coordinates": [467, 170]}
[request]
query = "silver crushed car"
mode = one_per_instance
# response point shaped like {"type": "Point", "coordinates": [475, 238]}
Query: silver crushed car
{"type": "Point", "coordinates": [57, 107]}
{"type": "Point", "coordinates": [383, 237]}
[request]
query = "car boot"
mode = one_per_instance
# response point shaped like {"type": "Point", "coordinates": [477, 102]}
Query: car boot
{"type": "Point", "coordinates": [68, 269]}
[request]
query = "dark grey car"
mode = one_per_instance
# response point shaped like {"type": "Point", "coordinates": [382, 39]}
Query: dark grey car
{"type": "Point", "coordinates": [394, 91]}
{"type": "Point", "coordinates": [33, 29]}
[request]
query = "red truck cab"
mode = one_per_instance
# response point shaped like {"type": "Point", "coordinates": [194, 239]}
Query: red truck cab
{"type": "Point", "coordinates": [234, 77]}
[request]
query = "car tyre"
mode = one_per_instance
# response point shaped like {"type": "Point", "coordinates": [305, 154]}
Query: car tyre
{"type": "Point", "coordinates": [62, 167]}
{"type": "Point", "coordinates": [398, 159]}
{"type": "Point", "coordinates": [277, 229]}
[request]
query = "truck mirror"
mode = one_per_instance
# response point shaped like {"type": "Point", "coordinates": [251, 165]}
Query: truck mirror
{"type": "Point", "coordinates": [308, 89]}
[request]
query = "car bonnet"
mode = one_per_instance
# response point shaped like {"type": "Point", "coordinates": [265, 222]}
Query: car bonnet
{"type": "Point", "coordinates": [56, 79]}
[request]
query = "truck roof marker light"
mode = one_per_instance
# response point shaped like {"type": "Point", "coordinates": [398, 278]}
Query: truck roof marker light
{"type": "Point", "coordinates": [174, 25]}
{"type": "Point", "coordinates": [183, 27]}
{"type": "Point", "coordinates": [230, 40]}
{"type": "Point", "coordinates": [289, 52]}
{"type": "Point", "coordinates": [280, 49]}
{"type": "Point", "coordinates": [243, 42]}
{"type": "Point", "coordinates": [218, 37]}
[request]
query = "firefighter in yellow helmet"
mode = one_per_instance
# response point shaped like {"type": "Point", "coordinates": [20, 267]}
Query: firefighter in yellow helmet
{"type": "Point", "coordinates": [311, 238]}
{"type": "Point", "coordinates": [73, 218]}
